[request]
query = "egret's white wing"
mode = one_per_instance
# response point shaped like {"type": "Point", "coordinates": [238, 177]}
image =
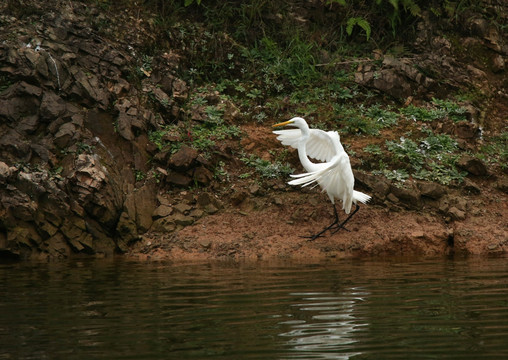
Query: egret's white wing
{"type": "Point", "coordinates": [322, 145]}
{"type": "Point", "coordinates": [289, 137]}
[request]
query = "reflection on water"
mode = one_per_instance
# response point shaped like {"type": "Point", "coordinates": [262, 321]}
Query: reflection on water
{"type": "Point", "coordinates": [331, 326]}
{"type": "Point", "coordinates": [440, 309]}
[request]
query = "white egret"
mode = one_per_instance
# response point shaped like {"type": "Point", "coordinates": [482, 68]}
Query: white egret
{"type": "Point", "coordinates": [334, 174]}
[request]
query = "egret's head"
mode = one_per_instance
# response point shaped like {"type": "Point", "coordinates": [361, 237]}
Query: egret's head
{"type": "Point", "coordinates": [296, 121]}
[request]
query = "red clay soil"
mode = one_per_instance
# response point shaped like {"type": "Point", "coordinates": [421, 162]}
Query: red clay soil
{"type": "Point", "coordinates": [272, 227]}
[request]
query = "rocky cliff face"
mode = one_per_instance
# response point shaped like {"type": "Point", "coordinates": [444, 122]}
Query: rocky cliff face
{"type": "Point", "coordinates": [72, 136]}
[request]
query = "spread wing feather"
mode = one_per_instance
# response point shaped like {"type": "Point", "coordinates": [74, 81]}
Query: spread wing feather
{"type": "Point", "coordinates": [320, 145]}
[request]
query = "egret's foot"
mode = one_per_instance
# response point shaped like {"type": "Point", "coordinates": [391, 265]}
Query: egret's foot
{"type": "Point", "coordinates": [338, 227]}
{"type": "Point", "coordinates": [320, 234]}
{"type": "Point", "coordinates": [312, 237]}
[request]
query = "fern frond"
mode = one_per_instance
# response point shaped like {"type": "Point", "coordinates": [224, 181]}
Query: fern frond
{"type": "Point", "coordinates": [412, 7]}
{"type": "Point", "coordinates": [361, 22]}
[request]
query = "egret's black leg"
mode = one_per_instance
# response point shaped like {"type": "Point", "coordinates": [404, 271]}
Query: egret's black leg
{"type": "Point", "coordinates": [329, 227]}
{"type": "Point", "coordinates": [341, 225]}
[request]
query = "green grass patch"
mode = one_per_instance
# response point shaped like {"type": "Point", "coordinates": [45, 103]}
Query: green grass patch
{"type": "Point", "coordinates": [267, 169]}
{"type": "Point", "coordinates": [432, 158]}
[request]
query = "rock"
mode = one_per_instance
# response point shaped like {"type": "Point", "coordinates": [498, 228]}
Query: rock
{"type": "Point", "coordinates": [456, 214]}
{"type": "Point", "coordinates": [184, 158]}
{"type": "Point", "coordinates": [18, 107]}
{"type": "Point", "coordinates": [387, 81]}
{"type": "Point", "coordinates": [65, 135]}
{"type": "Point", "coordinates": [501, 185]}
{"type": "Point", "coordinates": [379, 186]}
{"type": "Point", "coordinates": [466, 130]}
{"type": "Point", "coordinates": [140, 205]}
{"type": "Point", "coordinates": [431, 190]}
{"type": "Point", "coordinates": [23, 234]}
{"type": "Point", "coordinates": [470, 188]}
{"type": "Point", "coordinates": [43, 152]}
{"type": "Point", "coordinates": [211, 209]}
{"type": "Point", "coordinates": [204, 199]}
{"type": "Point", "coordinates": [278, 201]}
{"type": "Point", "coordinates": [180, 89]}
{"type": "Point", "coordinates": [255, 189]}
{"type": "Point", "coordinates": [183, 208]}
{"type": "Point", "coordinates": [165, 224]}
{"type": "Point", "coordinates": [162, 211]}
{"type": "Point", "coordinates": [52, 106]}
{"type": "Point", "coordinates": [124, 126]}
{"type": "Point", "coordinates": [239, 196]}
{"type": "Point", "coordinates": [203, 176]}
{"type": "Point", "coordinates": [28, 124]}
{"type": "Point", "coordinates": [178, 179]}
{"type": "Point", "coordinates": [408, 196]}
{"type": "Point", "coordinates": [197, 213]}
{"type": "Point", "coordinates": [127, 229]}
{"type": "Point", "coordinates": [183, 220]}
{"type": "Point", "coordinates": [205, 243]}
{"type": "Point", "coordinates": [472, 165]}
{"type": "Point", "coordinates": [75, 231]}
{"type": "Point", "coordinates": [5, 171]}
{"type": "Point", "coordinates": [163, 98]}
{"type": "Point", "coordinates": [444, 204]}
{"type": "Point", "coordinates": [498, 63]}
{"type": "Point", "coordinates": [88, 87]}
{"type": "Point", "coordinates": [89, 175]}
{"type": "Point", "coordinates": [57, 246]}
{"type": "Point", "coordinates": [479, 26]}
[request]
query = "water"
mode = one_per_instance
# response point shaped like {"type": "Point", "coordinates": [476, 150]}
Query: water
{"type": "Point", "coordinates": [349, 309]}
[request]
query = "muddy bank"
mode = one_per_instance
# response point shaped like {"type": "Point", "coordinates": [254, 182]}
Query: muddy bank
{"type": "Point", "coordinates": [80, 174]}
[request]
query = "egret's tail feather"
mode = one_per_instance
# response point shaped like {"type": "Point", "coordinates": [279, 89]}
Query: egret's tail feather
{"type": "Point", "coordinates": [361, 197]}
{"type": "Point", "coordinates": [305, 179]}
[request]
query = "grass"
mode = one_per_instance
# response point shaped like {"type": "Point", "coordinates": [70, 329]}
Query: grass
{"type": "Point", "coordinates": [365, 120]}
{"type": "Point", "coordinates": [431, 158]}
{"type": "Point", "coordinates": [495, 150]}
{"type": "Point", "coordinates": [266, 169]}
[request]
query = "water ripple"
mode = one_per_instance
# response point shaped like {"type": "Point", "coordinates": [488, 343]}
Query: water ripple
{"type": "Point", "coordinates": [347, 310]}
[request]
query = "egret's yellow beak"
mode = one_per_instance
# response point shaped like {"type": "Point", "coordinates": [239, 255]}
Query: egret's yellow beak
{"type": "Point", "coordinates": [283, 123]}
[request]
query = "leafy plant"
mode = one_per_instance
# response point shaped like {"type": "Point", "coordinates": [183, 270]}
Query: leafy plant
{"type": "Point", "coordinates": [432, 158]}
{"type": "Point", "coordinates": [438, 109]}
{"type": "Point", "coordinates": [373, 149]}
{"type": "Point", "coordinates": [5, 83]}
{"type": "Point", "coordinates": [267, 169]}
{"type": "Point", "coordinates": [363, 120]}
{"type": "Point", "coordinates": [417, 113]}
{"type": "Point", "coordinates": [361, 22]}
{"type": "Point", "coordinates": [190, 2]}
{"type": "Point", "coordinates": [453, 110]}
{"type": "Point", "coordinates": [139, 175]}
{"type": "Point", "coordinates": [384, 117]}
{"type": "Point", "coordinates": [495, 150]}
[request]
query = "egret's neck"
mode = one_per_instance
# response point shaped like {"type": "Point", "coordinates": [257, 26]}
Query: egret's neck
{"type": "Point", "coordinates": [302, 151]}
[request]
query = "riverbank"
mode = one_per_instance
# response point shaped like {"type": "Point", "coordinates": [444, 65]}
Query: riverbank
{"type": "Point", "coordinates": [146, 131]}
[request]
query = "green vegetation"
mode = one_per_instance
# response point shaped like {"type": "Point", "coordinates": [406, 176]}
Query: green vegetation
{"type": "Point", "coordinates": [5, 83]}
{"type": "Point", "coordinates": [265, 168]}
{"type": "Point", "coordinates": [270, 63]}
{"type": "Point", "coordinates": [495, 150]}
{"type": "Point", "coordinates": [201, 135]}
{"type": "Point", "coordinates": [362, 120]}
{"type": "Point", "coordinates": [431, 158]}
